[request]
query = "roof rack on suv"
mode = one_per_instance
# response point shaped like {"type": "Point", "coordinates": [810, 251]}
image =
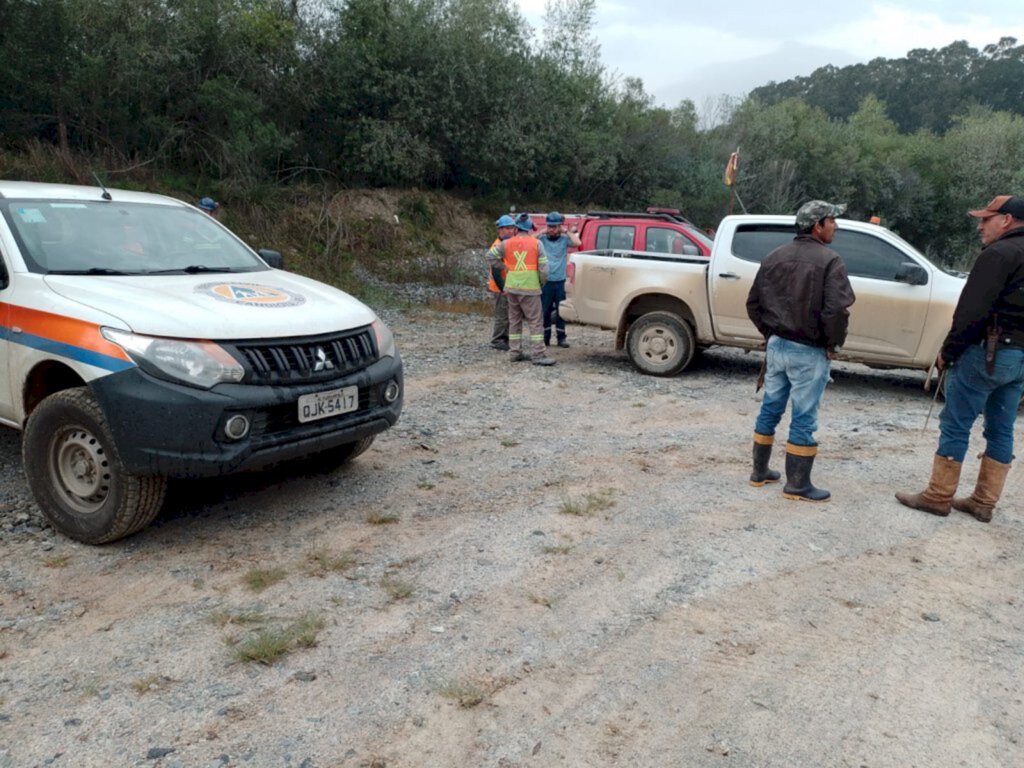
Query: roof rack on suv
{"type": "Point", "coordinates": [664, 214]}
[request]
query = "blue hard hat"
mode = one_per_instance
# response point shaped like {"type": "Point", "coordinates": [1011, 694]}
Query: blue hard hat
{"type": "Point", "coordinates": [554, 219]}
{"type": "Point", "coordinates": [505, 221]}
{"type": "Point", "coordinates": [208, 204]}
{"type": "Point", "coordinates": [524, 223]}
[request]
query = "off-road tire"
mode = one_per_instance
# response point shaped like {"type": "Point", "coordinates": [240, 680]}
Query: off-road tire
{"type": "Point", "coordinates": [76, 476]}
{"type": "Point", "coordinates": [660, 344]}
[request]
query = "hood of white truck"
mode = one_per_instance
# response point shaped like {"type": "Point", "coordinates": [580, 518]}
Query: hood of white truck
{"type": "Point", "coordinates": [253, 305]}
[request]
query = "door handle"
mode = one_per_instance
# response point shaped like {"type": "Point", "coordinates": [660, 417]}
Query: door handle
{"type": "Point", "coordinates": [729, 275]}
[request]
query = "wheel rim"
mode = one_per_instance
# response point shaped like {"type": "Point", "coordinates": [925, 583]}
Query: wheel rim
{"type": "Point", "coordinates": [80, 469]}
{"type": "Point", "coordinates": [658, 345]}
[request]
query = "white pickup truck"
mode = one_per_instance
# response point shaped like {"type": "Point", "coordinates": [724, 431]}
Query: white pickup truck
{"type": "Point", "coordinates": [665, 307]}
{"type": "Point", "coordinates": [142, 340]}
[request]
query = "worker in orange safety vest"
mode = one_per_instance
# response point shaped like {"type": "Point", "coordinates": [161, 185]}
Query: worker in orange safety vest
{"type": "Point", "coordinates": [526, 271]}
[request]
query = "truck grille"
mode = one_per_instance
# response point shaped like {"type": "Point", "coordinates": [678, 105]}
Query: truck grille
{"type": "Point", "coordinates": [279, 424]}
{"type": "Point", "coordinates": [306, 359]}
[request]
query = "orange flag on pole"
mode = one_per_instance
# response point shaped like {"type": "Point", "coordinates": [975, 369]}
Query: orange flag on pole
{"type": "Point", "coordinates": [730, 168]}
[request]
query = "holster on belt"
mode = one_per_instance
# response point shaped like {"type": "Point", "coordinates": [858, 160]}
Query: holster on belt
{"type": "Point", "coordinates": [992, 333]}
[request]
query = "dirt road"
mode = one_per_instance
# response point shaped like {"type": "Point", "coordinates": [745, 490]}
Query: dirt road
{"type": "Point", "coordinates": [557, 567]}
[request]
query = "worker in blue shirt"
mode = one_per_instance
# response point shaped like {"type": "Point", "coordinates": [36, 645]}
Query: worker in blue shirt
{"type": "Point", "coordinates": [557, 239]}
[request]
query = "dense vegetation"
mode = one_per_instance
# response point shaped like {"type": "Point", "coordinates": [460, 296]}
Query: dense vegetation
{"type": "Point", "coordinates": [247, 97]}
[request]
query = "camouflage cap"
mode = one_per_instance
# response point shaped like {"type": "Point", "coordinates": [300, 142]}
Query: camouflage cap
{"type": "Point", "coordinates": [816, 210]}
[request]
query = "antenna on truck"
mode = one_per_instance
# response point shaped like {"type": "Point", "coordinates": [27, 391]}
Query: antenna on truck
{"type": "Point", "coordinates": [105, 195]}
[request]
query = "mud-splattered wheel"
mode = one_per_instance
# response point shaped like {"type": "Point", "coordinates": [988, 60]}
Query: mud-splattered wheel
{"type": "Point", "coordinates": [76, 476]}
{"type": "Point", "coordinates": [660, 344]}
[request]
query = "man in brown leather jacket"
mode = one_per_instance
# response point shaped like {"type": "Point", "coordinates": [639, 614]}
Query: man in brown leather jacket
{"type": "Point", "coordinates": [984, 354]}
{"type": "Point", "coordinates": [800, 303]}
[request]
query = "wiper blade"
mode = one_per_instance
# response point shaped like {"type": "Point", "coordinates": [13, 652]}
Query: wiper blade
{"type": "Point", "coordinates": [193, 269]}
{"type": "Point", "coordinates": [90, 271]}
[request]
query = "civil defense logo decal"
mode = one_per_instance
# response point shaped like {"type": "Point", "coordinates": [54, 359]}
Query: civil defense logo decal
{"type": "Point", "coordinates": [251, 294]}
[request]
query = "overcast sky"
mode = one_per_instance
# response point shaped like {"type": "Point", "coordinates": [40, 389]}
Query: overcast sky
{"type": "Point", "coordinates": [683, 49]}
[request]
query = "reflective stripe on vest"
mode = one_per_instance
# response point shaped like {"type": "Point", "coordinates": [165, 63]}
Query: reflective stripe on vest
{"type": "Point", "coordinates": [521, 262]}
{"type": "Point", "coordinates": [491, 285]}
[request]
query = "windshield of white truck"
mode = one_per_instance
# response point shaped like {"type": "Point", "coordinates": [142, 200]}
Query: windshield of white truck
{"type": "Point", "coordinates": [110, 238]}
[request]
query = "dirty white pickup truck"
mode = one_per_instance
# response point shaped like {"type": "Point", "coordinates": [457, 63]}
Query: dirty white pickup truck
{"type": "Point", "coordinates": [665, 307]}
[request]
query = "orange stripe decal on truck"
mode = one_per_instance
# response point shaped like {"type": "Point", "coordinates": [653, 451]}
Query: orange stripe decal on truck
{"type": "Point", "coordinates": [62, 336]}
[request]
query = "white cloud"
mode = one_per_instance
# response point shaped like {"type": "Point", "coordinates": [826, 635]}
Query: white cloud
{"type": "Point", "coordinates": [891, 32]}
{"type": "Point", "coordinates": [700, 49]}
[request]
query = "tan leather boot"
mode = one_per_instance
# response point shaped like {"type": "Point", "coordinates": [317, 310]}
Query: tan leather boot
{"type": "Point", "coordinates": [991, 478]}
{"type": "Point", "coordinates": [937, 498]}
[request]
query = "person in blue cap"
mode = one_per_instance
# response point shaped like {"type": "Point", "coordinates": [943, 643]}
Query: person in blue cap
{"type": "Point", "coordinates": [209, 205]}
{"type": "Point", "coordinates": [499, 333]}
{"type": "Point", "coordinates": [558, 238]}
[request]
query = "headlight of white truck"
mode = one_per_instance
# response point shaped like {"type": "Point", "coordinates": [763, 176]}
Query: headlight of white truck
{"type": "Point", "coordinates": [385, 339]}
{"type": "Point", "coordinates": [196, 363]}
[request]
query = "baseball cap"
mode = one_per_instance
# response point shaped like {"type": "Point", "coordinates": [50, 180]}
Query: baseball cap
{"type": "Point", "coordinates": [208, 204]}
{"type": "Point", "coordinates": [1003, 204]}
{"type": "Point", "coordinates": [505, 221]}
{"type": "Point", "coordinates": [816, 210]}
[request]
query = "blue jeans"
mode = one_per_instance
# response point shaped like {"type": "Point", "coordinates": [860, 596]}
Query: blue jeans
{"type": "Point", "coordinates": [970, 391]}
{"type": "Point", "coordinates": [552, 293]}
{"type": "Point", "coordinates": [798, 373]}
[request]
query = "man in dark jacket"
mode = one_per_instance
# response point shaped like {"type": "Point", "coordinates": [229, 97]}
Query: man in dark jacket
{"type": "Point", "coordinates": [984, 354]}
{"type": "Point", "coordinates": [800, 303]}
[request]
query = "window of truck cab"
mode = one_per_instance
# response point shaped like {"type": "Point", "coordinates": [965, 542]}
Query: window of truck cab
{"type": "Point", "coordinates": [666, 240]}
{"type": "Point", "coordinates": [864, 255]}
{"type": "Point", "coordinates": [615, 237]}
{"type": "Point", "coordinates": [112, 237]}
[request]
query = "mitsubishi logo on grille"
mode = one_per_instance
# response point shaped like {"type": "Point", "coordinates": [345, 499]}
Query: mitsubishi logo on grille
{"type": "Point", "coordinates": [321, 362]}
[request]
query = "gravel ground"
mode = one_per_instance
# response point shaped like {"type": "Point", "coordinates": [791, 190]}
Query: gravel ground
{"type": "Point", "coordinates": [535, 567]}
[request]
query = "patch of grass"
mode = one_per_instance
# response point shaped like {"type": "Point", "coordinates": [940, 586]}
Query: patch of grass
{"type": "Point", "coordinates": [92, 688]}
{"type": "Point", "coordinates": [417, 209]}
{"type": "Point", "coordinates": [397, 589]}
{"type": "Point", "coordinates": [572, 507]}
{"type": "Point", "coordinates": [509, 443]}
{"type": "Point", "coordinates": [320, 563]}
{"type": "Point", "coordinates": [552, 549]}
{"type": "Point", "coordinates": [260, 579]}
{"type": "Point", "coordinates": [600, 500]}
{"type": "Point", "coordinates": [382, 519]}
{"type": "Point", "coordinates": [449, 475]}
{"type": "Point", "coordinates": [591, 503]}
{"type": "Point", "coordinates": [305, 631]}
{"type": "Point", "coordinates": [269, 645]}
{"type": "Point", "coordinates": [467, 694]}
{"type": "Point", "coordinates": [149, 683]}
{"type": "Point", "coordinates": [57, 561]}
{"type": "Point", "coordinates": [263, 647]}
{"type": "Point", "coordinates": [224, 618]}
{"type": "Point", "coordinates": [547, 602]}
{"type": "Point", "coordinates": [425, 486]}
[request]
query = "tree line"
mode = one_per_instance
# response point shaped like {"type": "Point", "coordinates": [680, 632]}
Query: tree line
{"type": "Point", "coordinates": [470, 96]}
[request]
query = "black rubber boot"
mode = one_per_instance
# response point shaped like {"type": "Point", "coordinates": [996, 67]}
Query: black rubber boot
{"type": "Point", "coordinates": [762, 454]}
{"type": "Point", "coordinates": [798, 487]}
